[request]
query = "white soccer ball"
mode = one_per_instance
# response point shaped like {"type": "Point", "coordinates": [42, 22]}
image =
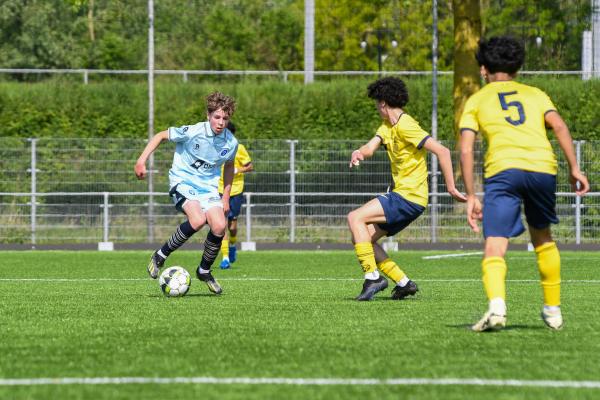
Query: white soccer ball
{"type": "Point", "coordinates": [175, 281]}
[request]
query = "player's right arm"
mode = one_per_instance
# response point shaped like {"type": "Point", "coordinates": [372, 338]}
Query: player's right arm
{"type": "Point", "coordinates": [579, 182]}
{"type": "Point", "coordinates": [474, 212]}
{"type": "Point", "coordinates": [140, 165]}
{"type": "Point", "coordinates": [365, 151]}
{"type": "Point", "coordinates": [469, 126]}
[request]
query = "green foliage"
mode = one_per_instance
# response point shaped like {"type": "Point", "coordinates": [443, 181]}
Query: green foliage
{"type": "Point", "coordinates": [269, 35]}
{"type": "Point", "coordinates": [337, 109]}
{"type": "Point", "coordinates": [559, 23]}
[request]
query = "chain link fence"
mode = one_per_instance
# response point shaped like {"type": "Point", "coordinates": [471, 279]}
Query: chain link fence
{"type": "Point", "coordinates": [71, 191]}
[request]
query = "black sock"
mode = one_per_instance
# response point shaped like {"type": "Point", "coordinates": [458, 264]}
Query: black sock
{"type": "Point", "coordinates": [212, 245]}
{"type": "Point", "coordinates": [181, 235]}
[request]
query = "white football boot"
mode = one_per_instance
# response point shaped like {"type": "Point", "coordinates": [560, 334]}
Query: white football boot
{"type": "Point", "coordinates": [552, 318]}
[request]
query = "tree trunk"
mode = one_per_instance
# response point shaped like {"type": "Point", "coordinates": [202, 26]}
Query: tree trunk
{"type": "Point", "coordinates": [467, 32]}
{"type": "Point", "coordinates": [90, 20]}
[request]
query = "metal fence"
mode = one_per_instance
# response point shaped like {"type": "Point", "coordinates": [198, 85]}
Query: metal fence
{"type": "Point", "coordinates": [283, 75]}
{"type": "Point", "coordinates": [66, 191]}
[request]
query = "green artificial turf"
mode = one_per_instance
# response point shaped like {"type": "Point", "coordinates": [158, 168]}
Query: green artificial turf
{"type": "Point", "coordinates": [288, 315]}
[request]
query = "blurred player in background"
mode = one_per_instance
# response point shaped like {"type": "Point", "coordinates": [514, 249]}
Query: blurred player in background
{"type": "Point", "coordinates": [406, 145]}
{"type": "Point", "coordinates": [520, 169]}
{"type": "Point", "coordinates": [242, 165]}
{"type": "Point", "coordinates": [201, 150]}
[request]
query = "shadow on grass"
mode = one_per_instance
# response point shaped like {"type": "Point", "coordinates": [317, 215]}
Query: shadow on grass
{"type": "Point", "coordinates": [160, 295]}
{"type": "Point", "coordinates": [506, 328]}
{"type": "Point", "coordinates": [377, 299]}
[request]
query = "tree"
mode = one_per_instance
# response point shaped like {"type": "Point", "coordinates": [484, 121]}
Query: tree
{"type": "Point", "coordinates": [467, 32]}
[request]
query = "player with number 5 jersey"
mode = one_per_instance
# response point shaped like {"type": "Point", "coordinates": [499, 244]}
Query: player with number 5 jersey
{"type": "Point", "coordinates": [510, 116]}
{"type": "Point", "coordinates": [520, 170]}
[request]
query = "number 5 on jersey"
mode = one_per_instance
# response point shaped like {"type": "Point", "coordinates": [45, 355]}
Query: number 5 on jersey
{"type": "Point", "coordinates": [506, 107]}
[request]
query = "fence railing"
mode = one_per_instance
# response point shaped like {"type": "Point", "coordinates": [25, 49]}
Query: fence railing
{"type": "Point", "coordinates": [62, 191]}
{"type": "Point", "coordinates": [283, 75]}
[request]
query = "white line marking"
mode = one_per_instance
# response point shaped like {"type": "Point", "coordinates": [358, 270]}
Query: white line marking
{"type": "Point", "coordinates": [259, 279]}
{"type": "Point", "coordinates": [303, 382]}
{"type": "Point", "coordinates": [476, 253]}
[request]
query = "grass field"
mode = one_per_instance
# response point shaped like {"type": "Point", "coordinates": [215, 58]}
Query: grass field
{"type": "Point", "coordinates": [287, 322]}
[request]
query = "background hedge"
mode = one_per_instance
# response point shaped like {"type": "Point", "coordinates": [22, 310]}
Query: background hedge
{"type": "Point", "coordinates": [337, 109]}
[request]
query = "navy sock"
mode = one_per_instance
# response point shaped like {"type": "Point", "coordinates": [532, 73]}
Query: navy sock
{"type": "Point", "coordinates": [181, 235]}
{"type": "Point", "coordinates": [212, 245]}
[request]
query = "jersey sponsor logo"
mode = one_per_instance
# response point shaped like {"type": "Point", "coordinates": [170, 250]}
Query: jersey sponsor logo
{"type": "Point", "coordinates": [202, 164]}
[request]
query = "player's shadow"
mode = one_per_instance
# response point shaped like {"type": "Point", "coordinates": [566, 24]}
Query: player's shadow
{"type": "Point", "coordinates": [187, 295]}
{"type": "Point", "coordinates": [377, 299]}
{"type": "Point", "coordinates": [506, 328]}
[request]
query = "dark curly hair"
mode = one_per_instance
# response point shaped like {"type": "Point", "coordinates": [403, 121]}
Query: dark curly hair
{"type": "Point", "coordinates": [501, 54]}
{"type": "Point", "coordinates": [231, 126]}
{"type": "Point", "coordinates": [391, 90]}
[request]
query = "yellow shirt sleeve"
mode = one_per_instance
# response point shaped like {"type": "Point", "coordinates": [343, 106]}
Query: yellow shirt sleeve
{"type": "Point", "coordinates": [410, 131]}
{"type": "Point", "coordinates": [384, 132]}
{"type": "Point", "coordinates": [545, 103]}
{"type": "Point", "coordinates": [468, 119]}
{"type": "Point", "coordinates": [242, 158]}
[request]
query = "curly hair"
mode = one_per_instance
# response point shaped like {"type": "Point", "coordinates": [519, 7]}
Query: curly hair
{"type": "Point", "coordinates": [391, 90]}
{"type": "Point", "coordinates": [218, 100]}
{"type": "Point", "coordinates": [501, 54]}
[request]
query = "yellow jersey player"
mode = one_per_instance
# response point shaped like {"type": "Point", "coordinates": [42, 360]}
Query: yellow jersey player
{"type": "Point", "coordinates": [242, 165]}
{"type": "Point", "coordinates": [406, 145]}
{"type": "Point", "coordinates": [520, 169]}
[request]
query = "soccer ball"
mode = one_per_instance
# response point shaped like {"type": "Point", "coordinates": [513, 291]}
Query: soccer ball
{"type": "Point", "coordinates": [175, 281]}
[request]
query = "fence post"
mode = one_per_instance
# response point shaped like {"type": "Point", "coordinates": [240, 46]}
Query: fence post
{"type": "Point", "coordinates": [292, 172]}
{"type": "Point", "coordinates": [248, 245]}
{"type": "Point", "coordinates": [85, 77]}
{"type": "Point", "coordinates": [105, 245]}
{"type": "Point", "coordinates": [578, 198]}
{"type": "Point", "coordinates": [434, 198]}
{"type": "Point", "coordinates": [33, 208]}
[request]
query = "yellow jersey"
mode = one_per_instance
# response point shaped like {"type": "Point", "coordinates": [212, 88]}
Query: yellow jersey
{"type": "Point", "coordinates": [511, 117]}
{"type": "Point", "coordinates": [242, 158]}
{"type": "Point", "coordinates": [404, 145]}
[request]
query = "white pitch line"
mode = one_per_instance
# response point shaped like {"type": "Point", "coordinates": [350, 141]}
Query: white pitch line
{"type": "Point", "coordinates": [476, 253]}
{"type": "Point", "coordinates": [303, 382]}
{"type": "Point", "coordinates": [259, 279]}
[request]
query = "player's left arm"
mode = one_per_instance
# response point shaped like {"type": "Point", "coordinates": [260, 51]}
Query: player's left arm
{"type": "Point", "coordinates": [445, 159]}
{"type": "Point", "coordinates": [578, 180]}
{"type": "Point", "coordinates": [227, 180]}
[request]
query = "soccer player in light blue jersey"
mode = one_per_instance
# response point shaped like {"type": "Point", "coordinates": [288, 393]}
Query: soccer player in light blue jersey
{"type": "Point", "coordinates": [200, 152]}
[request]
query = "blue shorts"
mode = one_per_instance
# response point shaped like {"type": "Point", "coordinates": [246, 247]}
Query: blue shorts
{"type": "Point", "coordinates": [235, 206]}
{"type": "Point", "coordinates": [399, 212]}
{"type": "Point", "coordinates": [506, 191]}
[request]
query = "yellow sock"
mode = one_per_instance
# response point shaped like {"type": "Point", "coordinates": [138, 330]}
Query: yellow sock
{"type": "Point", "coordinates": [391, 270]}
{"type": "Point", "coordinates": [366, 256]}
{"type": "Point", "coordinates": [233, 240]}
{"type": "Point", "coordinates": [548, 259]}
{"type": "Point", "coordinates": [225, 248]}
{"type": "Point", "coordinates": [494, 275]}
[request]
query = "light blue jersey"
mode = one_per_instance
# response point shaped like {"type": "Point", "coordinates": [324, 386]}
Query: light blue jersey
{"type": "Point", "coordinates": [199, 155]}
